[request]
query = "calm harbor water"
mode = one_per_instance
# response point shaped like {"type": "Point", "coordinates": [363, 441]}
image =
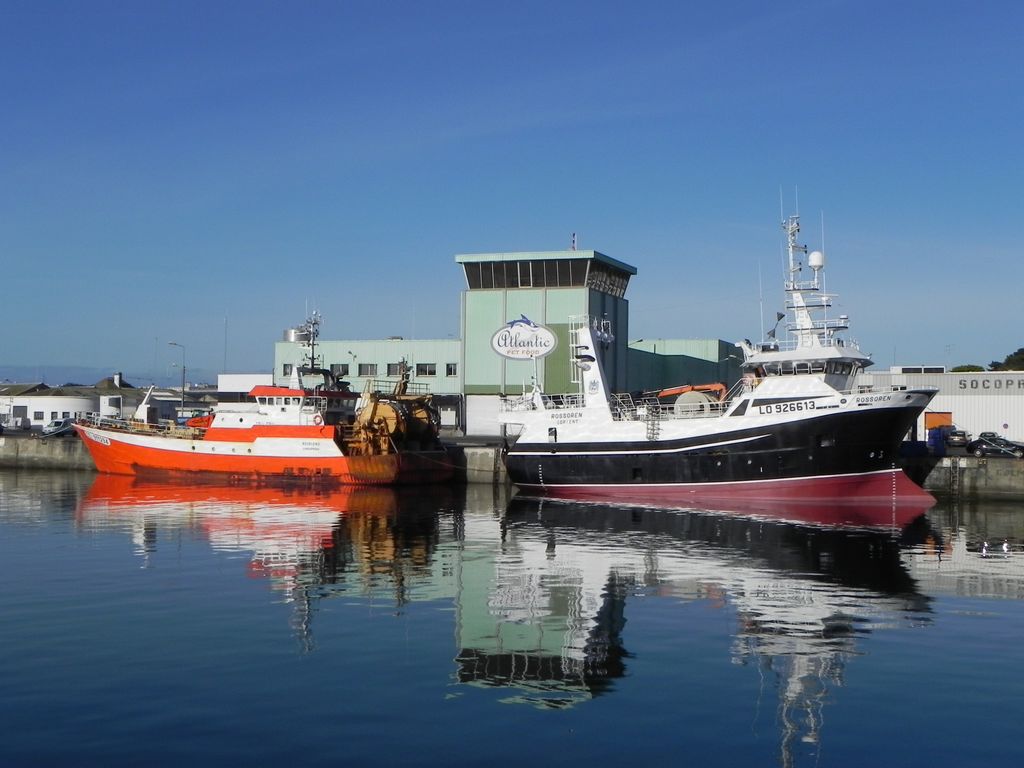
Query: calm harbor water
{"type": "Point", "coordinates": [168, 625]}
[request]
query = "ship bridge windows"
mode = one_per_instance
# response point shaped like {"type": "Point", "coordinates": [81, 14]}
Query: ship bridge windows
{"type": "Point", "coordinates": [841, 368]}
{"type": "Point", "coordinates": [789, 368]}
{"type": "Point", "coordinates": [280, 402]}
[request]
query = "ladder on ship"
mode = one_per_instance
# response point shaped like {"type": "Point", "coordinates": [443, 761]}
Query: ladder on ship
{"type": "Point", "coordinates": [653, 418]}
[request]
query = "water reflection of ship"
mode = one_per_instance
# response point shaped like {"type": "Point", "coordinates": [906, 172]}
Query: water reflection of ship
{"type": "Point", "coordinates": [305, 542]}
{"type": "Point", "coordinates": [846, 512]}
{"type": "Point", "coordinates": [551, 627]}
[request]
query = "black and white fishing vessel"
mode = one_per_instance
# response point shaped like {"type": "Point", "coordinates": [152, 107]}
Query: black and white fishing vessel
{"type": "Point", "coordinates": [795, 427]}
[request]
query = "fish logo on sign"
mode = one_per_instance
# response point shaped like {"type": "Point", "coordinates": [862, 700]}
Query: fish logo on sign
{"type": "Point", "coordinates": [523, 339]}
{"type": "Point", "coordinates": [522, 322]}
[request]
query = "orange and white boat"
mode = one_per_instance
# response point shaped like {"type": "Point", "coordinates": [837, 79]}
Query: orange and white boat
{"type": "Point", "coordinates": [326, 434]}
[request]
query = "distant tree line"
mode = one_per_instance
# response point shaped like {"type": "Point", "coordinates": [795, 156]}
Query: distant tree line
{"type": "Point", "coordinates": [1013, 362]}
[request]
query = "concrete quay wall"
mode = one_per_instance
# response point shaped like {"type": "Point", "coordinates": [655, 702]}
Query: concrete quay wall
{"type": "Point", "coordinates": [968, 477]}
{"type": "Point", "coordinates": [480, 464]}
{"type": "Point", "coordinates": [34, 452]}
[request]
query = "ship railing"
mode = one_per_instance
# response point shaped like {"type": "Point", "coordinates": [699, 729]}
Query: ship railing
{"type": "Point", "coordinates": [387, 387]}
{"type": "Point", "coordinates": [875, 389]}
{"type": "Point", "coordinates": [627, 408]}
{"type": "Point", "coordinates": [791, 345]}
{"type": "Point", "coordinates": [162, 427]}
{"type": "Point", "coordinates": [803, 285]}
{"type": "Point", "coordinates": [563, 401]}
{"type": "Point", "coordinates": [623, 406]}
{"type": "Point", "coordinates": [528, 401]}
{"type": "Point", "coordinates": [512, 404]}
{"type": "Point", "coordinates": [837, 324]}
{"type": "Point", "coordinates": [671, 411]}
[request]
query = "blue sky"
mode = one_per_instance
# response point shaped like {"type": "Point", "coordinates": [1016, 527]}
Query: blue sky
{"type": "Point", "coordinates": [207, 173]}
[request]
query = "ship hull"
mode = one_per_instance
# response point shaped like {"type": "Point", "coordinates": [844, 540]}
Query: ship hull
{"type": "Point", "coordinates": [838, 456]}
{"type": "Point", "coordinates": [311, 460]}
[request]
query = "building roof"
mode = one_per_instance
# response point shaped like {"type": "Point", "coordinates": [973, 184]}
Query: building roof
{"type": "Point", "coordinates": [10, 389]}
{"type": "Point", "coordinates": [108, 385]}
{"type": "Point", "coordinates": [479, 258]}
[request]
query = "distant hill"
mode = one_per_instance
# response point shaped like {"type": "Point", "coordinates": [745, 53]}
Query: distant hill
{"type": "Point", "coordinates": [55, 375]}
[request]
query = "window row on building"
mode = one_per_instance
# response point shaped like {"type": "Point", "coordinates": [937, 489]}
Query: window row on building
{"type": "Point", "coordinates": [546, 273]}
{"type": "Point", "coordinates": [39, 416]}
{"type": "Point", "coordinates": [371, 369]}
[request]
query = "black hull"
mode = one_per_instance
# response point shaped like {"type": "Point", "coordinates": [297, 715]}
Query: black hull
{"type": "Point", "coordinates": [834, 445]}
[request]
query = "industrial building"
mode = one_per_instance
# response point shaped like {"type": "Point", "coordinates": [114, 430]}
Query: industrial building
{"type": "Point", "coordinates": [524, 296]}
{"type": "Point", "coordinates": [986, 401]}
{"type": "Point", "coordinates": [23, 406]}
{"type": "Point", "coordinates": [31, 406]}
{"type": "Point", "coordinates": [367, 362]}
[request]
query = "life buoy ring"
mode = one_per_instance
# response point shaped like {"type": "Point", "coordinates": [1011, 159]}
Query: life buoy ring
{"type": "Point", "coordinates": [318, 420]}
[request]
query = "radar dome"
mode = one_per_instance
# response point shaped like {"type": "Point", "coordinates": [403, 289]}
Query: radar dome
{"type": "Point", "coordinates": [816, 260]}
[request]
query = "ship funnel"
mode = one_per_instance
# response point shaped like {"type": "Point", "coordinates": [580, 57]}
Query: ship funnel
{"type": "Point", "coordinates": [583, 338]}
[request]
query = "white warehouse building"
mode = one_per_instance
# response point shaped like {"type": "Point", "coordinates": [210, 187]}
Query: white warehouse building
{"type": "Point", "coordinates": [986, 401]}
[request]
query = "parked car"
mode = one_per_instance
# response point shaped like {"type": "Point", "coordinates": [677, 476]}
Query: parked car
{"type": "Point", "coordinates": [956, 438]}
{"type": "Point", "coordinates": [995, 446]}
{"type": "Point", "coordinates": [59, 427]}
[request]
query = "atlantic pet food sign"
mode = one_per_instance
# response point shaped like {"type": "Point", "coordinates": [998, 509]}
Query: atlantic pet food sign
{"type": "Point", "coordinates": [523, 339]}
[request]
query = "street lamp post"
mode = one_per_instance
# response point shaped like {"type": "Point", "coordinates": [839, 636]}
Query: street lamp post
{"type": "Point", "coordinates": [182, 347]}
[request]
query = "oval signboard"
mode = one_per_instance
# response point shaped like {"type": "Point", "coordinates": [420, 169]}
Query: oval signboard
{"type": "Point", "coordinates": [523, 339]}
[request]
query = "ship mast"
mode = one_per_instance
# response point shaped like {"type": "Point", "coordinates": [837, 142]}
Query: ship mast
{"type": "Point", "coordinates": [311, 329]}
{"type": "Point", "coordinates": [806, 297]}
